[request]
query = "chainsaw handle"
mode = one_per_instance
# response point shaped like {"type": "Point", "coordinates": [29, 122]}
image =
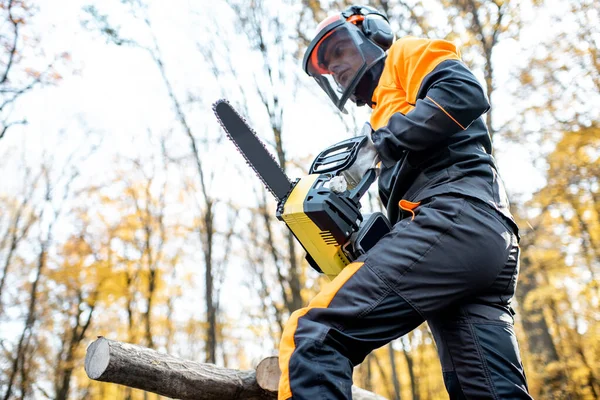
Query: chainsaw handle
{"type": "Point", "coordinates": [336, 158]}
{"type": "Point", "coordinates": [363, 185]}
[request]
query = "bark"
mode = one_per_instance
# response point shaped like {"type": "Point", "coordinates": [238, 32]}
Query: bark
{"type": "Point", "coordinates": [211, 310]}
{"type": "Point", "coordinates": [146, 369]}
{"type": "Point", "coordinates": [142, 368]}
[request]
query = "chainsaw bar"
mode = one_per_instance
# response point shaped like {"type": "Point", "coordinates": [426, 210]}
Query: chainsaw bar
{"type": "Point", "coordinates": [254, 151]}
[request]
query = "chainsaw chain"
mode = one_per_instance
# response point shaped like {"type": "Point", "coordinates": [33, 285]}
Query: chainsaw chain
{"type": "Point", "coordinates": [214, 107]}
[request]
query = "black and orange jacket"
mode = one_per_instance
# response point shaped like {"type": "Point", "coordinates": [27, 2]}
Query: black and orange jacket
{"type": "Point", "coordinates": [428, 128]}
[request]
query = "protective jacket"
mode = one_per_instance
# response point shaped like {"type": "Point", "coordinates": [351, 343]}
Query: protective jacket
{"type": "Point", "coordinates": [428, 128]}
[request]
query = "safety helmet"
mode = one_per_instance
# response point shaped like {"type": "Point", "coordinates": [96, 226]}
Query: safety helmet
{"type": "Point", "coordinates": [346, 45]}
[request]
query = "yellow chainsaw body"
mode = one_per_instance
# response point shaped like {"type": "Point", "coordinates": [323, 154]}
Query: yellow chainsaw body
{"type": "Point", "coordinates": [319, 243]}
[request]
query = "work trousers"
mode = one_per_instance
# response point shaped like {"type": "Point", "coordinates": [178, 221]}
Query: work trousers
{"type": "Point", "coordinates": [453, 264]}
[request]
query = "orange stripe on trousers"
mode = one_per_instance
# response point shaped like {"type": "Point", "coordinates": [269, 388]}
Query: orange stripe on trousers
{"type": "Point", "coordinates": [287, 345]}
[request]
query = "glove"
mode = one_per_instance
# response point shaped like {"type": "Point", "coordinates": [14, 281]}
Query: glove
{"type": "Point", "coordinates": [366, 159]}
{"type": "Point", "coordinates": [338, 184]}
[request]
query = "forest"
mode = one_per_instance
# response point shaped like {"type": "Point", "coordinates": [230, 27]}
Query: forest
{"type": "Point", "coordinates": [126, 213]}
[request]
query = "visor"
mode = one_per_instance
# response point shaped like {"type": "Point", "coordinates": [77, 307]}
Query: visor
{"type": "Point", "coordinates": [338, 58]}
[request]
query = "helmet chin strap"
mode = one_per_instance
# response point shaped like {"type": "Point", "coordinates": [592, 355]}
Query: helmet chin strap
{"type": "Point", "coordinates": [364, 90]}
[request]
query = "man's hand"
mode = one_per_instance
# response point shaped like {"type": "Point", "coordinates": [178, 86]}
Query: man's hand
{"type": "Point", "coordinates": [366, 159]}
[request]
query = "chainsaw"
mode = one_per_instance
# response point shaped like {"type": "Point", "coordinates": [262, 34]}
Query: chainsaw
{"type": "Point", "coordinates": [326, 222]}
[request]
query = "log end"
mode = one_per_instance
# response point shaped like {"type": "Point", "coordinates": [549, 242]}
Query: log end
{"type": "Point", "coordinates": [97, 358]}
{"type": "Point", "coordinates": [268, 373]}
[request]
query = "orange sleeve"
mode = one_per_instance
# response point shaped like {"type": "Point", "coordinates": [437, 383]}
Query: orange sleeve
{"type": "Point", "coordinates": [415, 58]}
{"type": "Point", "coordinates": [417, 108]}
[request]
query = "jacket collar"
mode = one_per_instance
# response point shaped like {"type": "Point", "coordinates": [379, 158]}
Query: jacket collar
{"type": "Point", "coordinates": [363, 94]}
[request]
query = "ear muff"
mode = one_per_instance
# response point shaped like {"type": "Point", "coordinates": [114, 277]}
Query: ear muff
{"type": "Point", "coordinates": [378, 30]}
{"type": "Point", "coordinates": [374, 25]}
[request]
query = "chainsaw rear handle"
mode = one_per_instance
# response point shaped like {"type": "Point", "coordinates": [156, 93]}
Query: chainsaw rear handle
{"type": "Point", "coordinates": [364, 185]}
{"type": "Point", "coordinates": [339, 157]}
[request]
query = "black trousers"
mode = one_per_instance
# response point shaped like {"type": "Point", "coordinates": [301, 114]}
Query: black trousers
{"type": "Point", "coordinates": [454, 265]}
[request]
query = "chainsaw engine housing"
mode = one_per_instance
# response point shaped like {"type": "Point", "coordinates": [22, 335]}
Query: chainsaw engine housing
{"type": "Point", "coordinates": [321, 220]}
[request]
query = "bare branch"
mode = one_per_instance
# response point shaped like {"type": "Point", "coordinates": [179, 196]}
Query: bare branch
{"type": "Point", "coordinates": [5, 127]}
{"type": "Point", "coordinates": [13, 49]}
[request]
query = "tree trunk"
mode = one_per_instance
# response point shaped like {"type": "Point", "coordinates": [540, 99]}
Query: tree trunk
{"type": "Point", "coordinates": [211, 312]}
{"type": "Point", "coordinates": [414, 387]}
{"type": "Point", "coordinates": [29, 322]}
{"type": "Point", "coordinates": [394, 372]}
{"type": "Point", "coordinates": [538, 335]}
{"type": "Point", "coordinates": [368, 379]}
{"type": "Point", "coordinates": [142, 368]}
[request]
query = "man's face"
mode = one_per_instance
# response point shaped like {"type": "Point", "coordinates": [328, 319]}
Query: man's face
{"type": "Point", "coordinates": [342, 59]}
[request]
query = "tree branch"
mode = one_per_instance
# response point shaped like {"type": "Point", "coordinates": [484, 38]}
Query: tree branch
{"type": "Point", "coordinates": [13, 49]}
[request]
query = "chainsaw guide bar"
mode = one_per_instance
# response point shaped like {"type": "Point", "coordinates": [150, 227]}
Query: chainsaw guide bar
{"type": "Point", "coordinates": [252, 148]}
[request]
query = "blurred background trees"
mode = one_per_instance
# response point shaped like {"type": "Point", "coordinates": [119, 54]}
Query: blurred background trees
{"type": "Point", "coordinates": [125, 213]}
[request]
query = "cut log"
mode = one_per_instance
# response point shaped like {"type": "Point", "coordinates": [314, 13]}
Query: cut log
{"type": "Point", "coordinates": [142, 368]}
{"type": "Point", "coordinates": [268, 373]}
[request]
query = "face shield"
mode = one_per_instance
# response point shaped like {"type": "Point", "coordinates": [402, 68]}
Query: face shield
{"type": "Point", "coordinates": [338, 57]}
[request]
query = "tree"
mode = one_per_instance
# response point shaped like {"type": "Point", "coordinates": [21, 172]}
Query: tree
{"type": "Point", "coordinates": [21, 361]}
{"type": "Point", "coordinates": [559, 82]}
{"type": "Point", "coordinates": [559, 291]}
{"type": "Point", "coordinates": [19, 220]}
{"type": "Point", "coordinates": [80, 279]}
{"type": "Point", "coordinates": [138, 10]}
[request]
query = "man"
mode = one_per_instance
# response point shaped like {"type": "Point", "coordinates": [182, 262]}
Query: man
{"type": "Point", "coordinates": [452, 257]}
